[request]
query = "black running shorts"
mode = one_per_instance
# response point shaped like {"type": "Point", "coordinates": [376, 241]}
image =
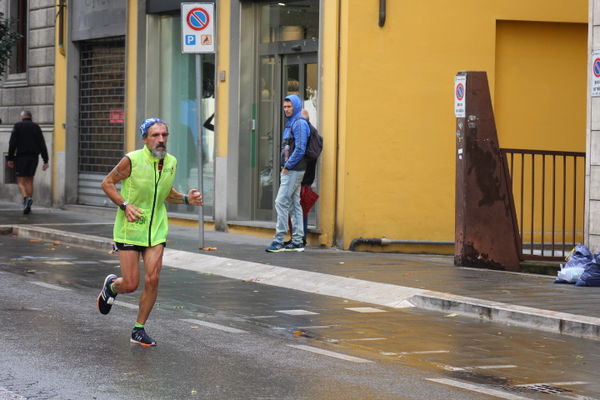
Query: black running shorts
{"type": "Point", "coordinates": [126, 246]}
{"type": "Point", "coordinates": [25, 166]}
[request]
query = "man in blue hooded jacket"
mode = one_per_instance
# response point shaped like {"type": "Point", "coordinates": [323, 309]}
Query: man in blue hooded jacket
{"type": "Point", "coordinates": [293, 164]}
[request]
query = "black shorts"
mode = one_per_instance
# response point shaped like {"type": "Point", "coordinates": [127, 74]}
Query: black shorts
{"type": "Point", "coordinates": [126, 246]}
{"type": "Point", "coordinates": [25, 166]}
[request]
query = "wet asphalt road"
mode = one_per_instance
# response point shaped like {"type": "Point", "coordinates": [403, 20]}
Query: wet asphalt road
{"type": "Point", "coordinates": [225, 339]}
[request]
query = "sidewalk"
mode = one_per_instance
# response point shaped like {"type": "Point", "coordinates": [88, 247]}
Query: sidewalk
{"type": "Point", "coordinates": [391, 280]}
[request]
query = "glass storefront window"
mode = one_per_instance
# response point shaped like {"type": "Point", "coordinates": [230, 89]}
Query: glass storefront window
{"type": "Point", "coordinates": [176, 103]}
{"type": "Point", "coordinates": [283, 21]}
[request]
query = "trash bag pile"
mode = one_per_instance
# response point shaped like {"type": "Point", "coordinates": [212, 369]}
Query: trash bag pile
{"type": "Point", "coordinates": [582, 268]}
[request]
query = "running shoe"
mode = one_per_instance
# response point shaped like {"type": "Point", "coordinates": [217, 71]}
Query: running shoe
{"type": "Point", "coordinates": [106, 298]}
{"type": "Point", "coordinates": [28, 202]}
{"type": "Point", "coordinates": [139, 336]}
{"type": "Point", "coordinates": [275, 247]}
{"type": "Point", "coordinates": [293, 247]}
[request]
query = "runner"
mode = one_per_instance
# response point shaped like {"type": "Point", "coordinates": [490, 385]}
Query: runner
{"type": "Point", "coordinates": [141, 223]}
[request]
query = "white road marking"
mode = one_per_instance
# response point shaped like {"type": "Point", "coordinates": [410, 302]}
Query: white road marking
{"type": "Point", "coordinates": [491, 366]}
{"type": "Point", "coordinates": [424, 352]}
{"type": "Point", "coordinates": [6, 394]}
{"type": "Point", "coordinates": [213, 326]}
{"type": "Point", "coordinates": [109, 261]}
{"type": "Point", "coordinates": [470, 368]}
{"type": "Point", "coordinates": [264, 316]}
{"type": "Point", "coordinates": [85, 262]}
{"type": "Point", "coordinates": [50, 286]}
{"type": "Point", "coordinates": [297, 312]}
{"type": "Point", "coordinates": [126, 305]}
{"type": "Point", "coordinates": [58, 262]}
{"type": "Point", "coordinates": [329, 353]}
{"type": "Point", "coordinates": [365, 309]}
{"type": "Point", "coordinates": [478, 389]}
{"type": "Point", "coordinates": [312, 282]}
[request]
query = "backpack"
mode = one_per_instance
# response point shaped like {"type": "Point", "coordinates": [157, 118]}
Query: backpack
{"type": "Point", "coordinates": [314, 145]}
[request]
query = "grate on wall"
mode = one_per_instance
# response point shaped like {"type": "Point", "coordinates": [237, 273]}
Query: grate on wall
{"type": "Point", "coordinates": [101, 105]}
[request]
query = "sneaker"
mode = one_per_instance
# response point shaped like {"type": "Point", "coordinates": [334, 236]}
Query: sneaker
{"type": "Point", "coordinates": [27, 203]}
{"type": "Point", "coordinates": [275, 247]}
{"type": "Point", "coordinates": [139, 336]}
{"type": "Point", "coordinates": [294, 247]}
{"type": "Point", "coordinates": [106, 298]}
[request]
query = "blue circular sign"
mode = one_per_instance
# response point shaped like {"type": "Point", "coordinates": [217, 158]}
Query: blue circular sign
{"type": "Point", "coordinates": [460, 91]}
{"type": "Point", "coordinates": [597, 67]}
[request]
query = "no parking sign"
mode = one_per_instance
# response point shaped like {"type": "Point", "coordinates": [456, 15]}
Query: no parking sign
{"type": "Point", "coordinates": [198, 27]}
{"type": "Point", "coordinates": [595, 75]}
{"type": "Point", "coordinates": [460, 94]}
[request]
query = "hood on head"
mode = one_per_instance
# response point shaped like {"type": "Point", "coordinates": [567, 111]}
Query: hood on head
{"type": "Point", "coordinates": [297, 103]}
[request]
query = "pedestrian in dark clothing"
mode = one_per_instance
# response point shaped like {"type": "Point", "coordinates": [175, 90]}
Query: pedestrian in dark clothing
{"type": "Point", "coordinates": [24, 149]}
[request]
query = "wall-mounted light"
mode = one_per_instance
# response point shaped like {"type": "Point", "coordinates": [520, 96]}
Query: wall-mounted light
{"type": "Point", "coordinates": [61, 18]}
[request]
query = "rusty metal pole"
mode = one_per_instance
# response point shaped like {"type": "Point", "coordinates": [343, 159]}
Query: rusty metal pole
{"type": "Point", "coordinates": [486, 232]}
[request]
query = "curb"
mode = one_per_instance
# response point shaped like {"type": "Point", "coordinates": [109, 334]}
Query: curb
{"type": "Point", "coordinates": [528, 317]}
{"type": "Point", "coordinates": [383, 294]}
{"type": "Point", "coordinates": [74, 239]}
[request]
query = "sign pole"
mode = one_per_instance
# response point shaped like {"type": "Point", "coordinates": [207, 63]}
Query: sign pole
{"type": "Point", "coordinates": [198, 37]}
{"type": "Point", "coordinates": [200, 117]}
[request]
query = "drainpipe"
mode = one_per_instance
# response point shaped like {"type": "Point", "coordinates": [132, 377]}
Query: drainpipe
{"type": "Point", "coordinates": [386, 242]}
{"type": "Point", "coordinates": [382, 13]}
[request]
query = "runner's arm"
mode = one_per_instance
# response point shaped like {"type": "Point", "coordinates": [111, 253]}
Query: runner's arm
{"type": "Point", "coordinates": [194, 197]}
{"type": "Point", "coordinates": [109, 184]}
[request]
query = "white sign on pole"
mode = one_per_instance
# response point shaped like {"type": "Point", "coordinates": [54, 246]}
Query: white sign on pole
{"type": "Point", "coordinates": [595, 76]}
{"type": "Point", "coordinates": [198, 28]}
{"type": "Point", "coordinates": [460, 95]}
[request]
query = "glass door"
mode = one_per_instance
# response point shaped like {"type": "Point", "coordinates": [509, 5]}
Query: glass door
{"type": "Point", "coordinates": [298, 75]}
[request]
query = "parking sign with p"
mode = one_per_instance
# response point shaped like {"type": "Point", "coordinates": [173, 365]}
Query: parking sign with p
{"type": "Point", "coordinates": [197, 27]}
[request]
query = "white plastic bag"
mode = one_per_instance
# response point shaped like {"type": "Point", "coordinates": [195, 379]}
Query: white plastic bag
{"type": "Point", "coordinates": [570, 274]}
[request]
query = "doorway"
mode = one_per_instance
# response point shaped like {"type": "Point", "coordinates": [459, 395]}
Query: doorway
{"type": "Point", "coordinates": [279, 43]}
{"type": "Point", "coordinates": [297, 74]}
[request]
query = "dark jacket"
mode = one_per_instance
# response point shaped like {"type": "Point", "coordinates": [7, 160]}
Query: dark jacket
{"type": "Point", "coordinates": [27, 139]}
{"type": "Point", "coordinates": [295, 137]}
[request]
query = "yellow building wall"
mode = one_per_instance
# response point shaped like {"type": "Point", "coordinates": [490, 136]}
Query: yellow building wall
{"type": "Point", "coordinates": [131, 76]}
{"type": "Point", "coordinates": [541, 85]}
{"type": "Point", "coordinates": [396, 166]}
{"type": "Point", "coordinates": [60, 109]}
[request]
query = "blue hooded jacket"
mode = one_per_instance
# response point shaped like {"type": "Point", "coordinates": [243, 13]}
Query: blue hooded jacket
{"type": "Point", "coordinates": [293, 145]}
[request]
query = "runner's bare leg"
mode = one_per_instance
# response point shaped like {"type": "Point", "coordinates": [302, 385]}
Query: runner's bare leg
{"type": "Point", "coordinates": [153, 258]}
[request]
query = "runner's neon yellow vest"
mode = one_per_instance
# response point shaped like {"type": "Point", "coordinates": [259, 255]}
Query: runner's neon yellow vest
{"type": "Point", "coordinates": [146, 188]}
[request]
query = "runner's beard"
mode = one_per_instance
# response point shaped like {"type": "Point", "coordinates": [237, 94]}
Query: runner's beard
{"type": "Point", "coordinates": [159, 153]}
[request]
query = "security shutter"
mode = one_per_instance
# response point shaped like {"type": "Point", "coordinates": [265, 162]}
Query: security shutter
{"type": "Point", "coordinates": [101, 115]}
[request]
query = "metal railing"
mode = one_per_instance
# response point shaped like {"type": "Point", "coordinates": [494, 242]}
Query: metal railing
{"type": "Point", "coordinates": [548, 189]}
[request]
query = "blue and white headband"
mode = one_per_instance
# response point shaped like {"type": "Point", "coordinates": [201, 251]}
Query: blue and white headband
{"type": "Point", "coordinates": [147, 124]}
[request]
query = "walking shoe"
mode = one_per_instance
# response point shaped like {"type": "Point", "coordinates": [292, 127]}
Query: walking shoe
{"type": "Point", "coordinates": [275, 247]}
{"type": "Point", "coordinates": [294, 247]}
{"type": "Point", "coordinates": [27, 203]}
{"type": "Point", "coordinates": [106, 298]}
{"type": "Point", "coordinates": [139, 336]}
